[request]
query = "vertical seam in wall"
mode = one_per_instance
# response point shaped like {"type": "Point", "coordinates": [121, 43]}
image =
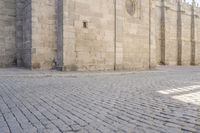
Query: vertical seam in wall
{"type": "Point", "coordinates": [31, 41]}
{"type": "Point", "coordinates": [59, 34]}
{"type": "Point", "coordinates": [115, 33]}
{"type": "Point", "coordinates": [62, 34]}
{"type": "Point", "coordinates": [16, 20]}
{"type": "Point", "coordinates": [163, 40]}
{"type": "Point", "coordinates": [193, 44]}
{"type": "Point", "coordinates": [179, 33]}
{"type": "Point", "coordinates": [150, 6]}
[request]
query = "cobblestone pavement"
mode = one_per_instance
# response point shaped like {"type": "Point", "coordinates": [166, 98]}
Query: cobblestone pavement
{"type": "Point", "coordinates": [166, 100]}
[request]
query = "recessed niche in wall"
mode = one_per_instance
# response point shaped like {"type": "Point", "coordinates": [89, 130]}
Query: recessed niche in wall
{"type": "Point", "coordinates": [85, 24]}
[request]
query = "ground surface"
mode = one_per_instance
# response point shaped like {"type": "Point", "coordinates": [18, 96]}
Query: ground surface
{"type": "Point", "coordinates": [166, 100]}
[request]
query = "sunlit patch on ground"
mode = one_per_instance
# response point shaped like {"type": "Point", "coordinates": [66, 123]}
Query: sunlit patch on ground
{"type": "Point", "coordinates": [193, 98]}
{"type": "Point", "coordinates": [180, 90]}
{"type": "Point", "coordinates": [189, 94]}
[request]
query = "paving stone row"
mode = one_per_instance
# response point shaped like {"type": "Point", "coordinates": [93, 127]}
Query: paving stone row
{"type": "Point", "coordinates": [122, 102]}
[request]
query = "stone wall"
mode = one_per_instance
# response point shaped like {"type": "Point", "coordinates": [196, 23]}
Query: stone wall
{"type": "Point", "coordinates": [159, 21]}
{"type": "Point", "coordinates": [98, 34]}
{"type": "Point", "coordinates": [176, 38]}
{"type": "Point", "coordinates": [19, 30]}
{"type": "Point", "coordinates": [197, 36]}
{"type": "Point", "coordinates": [7, 33]}
{"type": "Point", "coordinates": [23, 33]}
{"type": "Point", "coordinates": [171, 29]}
{"type": "Point", "coordinates": [102, 35]}
{"type": "Point", "coordinates": [186, 34]}
{"type": "Point", "coordinates": [43, 34]}
{"type": "Point", "coordinates": [133, 35]}
{"type": "Point", "coordinates": [36, 33]}
{"type": "Point", "coordinates": [166, 27]}
{"type": "Point", "coordinates": [26, 51]}
{"type": "Point", "coordinates": [88, 35]}
{"type": "Point", "coordinates": [59, 34]}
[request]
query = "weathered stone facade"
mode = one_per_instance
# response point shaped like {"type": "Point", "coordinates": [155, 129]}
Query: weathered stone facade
{"type": "Point", "coordinates": [113, 38]}
{"type": "Point", "coordinates": [7, 33]}
{"type": "Point", "coordinates": [76, 35]}
{"type": "Point", "coordinates": [177, 33]}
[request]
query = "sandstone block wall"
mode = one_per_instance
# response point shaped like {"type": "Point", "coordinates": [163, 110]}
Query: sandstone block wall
{"type": "Point", "coordinates": [98, 34]}
{"type": "Point", "coordinates": [112, 38]}
{"type": "Point", "coordinates": [59, 34]}
{"type": "Point", "coordinates": [159, 28]}
{"type": "Point", "coordinates": [186, 34]}
{"type": "Point", "coordinates": [177, 32]}
{"type": "Point", "coordinates": [171, 48]}
{"type": "Point", "coordinates": [43, 34]}
{"type": "Point", "coordinates": [19, 7]}
{"type": "Point", "coordinates": [133, 35]}
{"type": "Point", "coordinates": [197, 36]}
{"type": "Point", "coordinates": [167, 32]}
{"type": "Point", "coordinates": [88, 35]}
{"type": "Point", "coordinates": [26, 53]}
{"type": "Point", "coordinates": [23, 33]}
{"type": "Point", "coordinates": [7, 33]}
{"type": "Point", "coordinates": [36, 33]}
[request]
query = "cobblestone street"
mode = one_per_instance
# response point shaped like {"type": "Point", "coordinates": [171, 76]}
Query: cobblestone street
{"type": "Point", "coordinates": [166, 100]}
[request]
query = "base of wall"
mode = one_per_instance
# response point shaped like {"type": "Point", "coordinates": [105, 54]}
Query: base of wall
{"type": "Point", "coordinates": [60, 68]}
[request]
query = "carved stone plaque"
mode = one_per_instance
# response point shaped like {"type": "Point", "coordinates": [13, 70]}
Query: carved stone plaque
{"type": "Point", "coordinates": [131, 7]}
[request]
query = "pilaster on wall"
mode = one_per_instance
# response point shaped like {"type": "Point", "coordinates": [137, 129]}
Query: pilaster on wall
{"type": "Point", "coordinates": [188, 34]}
{"type": "Point", "coordinates": [23, 32]}
{"type": "Point", "coordinates": [152, 34]}
{"type": "Point", "coordinates": [178, 33]}
{"type": "Point", "coordinates": [197, 35]}
{"type": "Point", "coordinates": [69, 36]}
{"type": "Point", "coordinates": [7, 33]}
{"type": "Point", "coordinates": [118, 37]}
{"type": "Point", "coordinates": [59, 31]}
{"type": "Point", "coordinates": [19, 32]}
{"type": "Point", "coordinates": [65, 59]}
{"type": "Point", "coordinates": [162, 28]}
{"type": "Point", "coordinates": [196, 44]}
{"type": "Point", "coordinates": [35, 38]}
